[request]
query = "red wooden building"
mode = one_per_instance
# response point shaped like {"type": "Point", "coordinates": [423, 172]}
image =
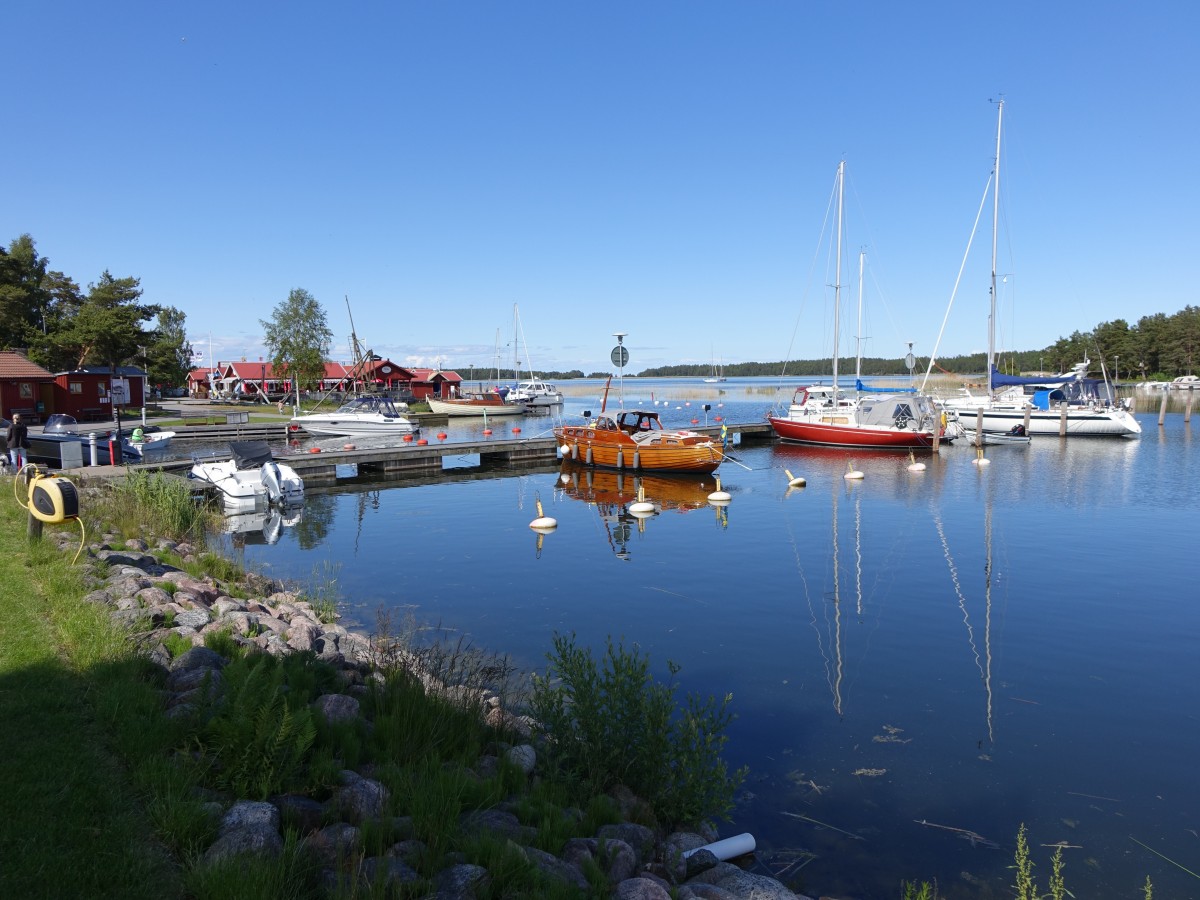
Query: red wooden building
{"type": "Point", "coordinates": [25, 387]}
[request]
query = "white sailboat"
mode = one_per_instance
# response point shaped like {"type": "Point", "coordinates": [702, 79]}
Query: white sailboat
{"type": "Point", "coordinates": [533, 393]}
{"type": "Point", "coordinates": [718, 372]}
{"type": "Point", "coordinates": [1070, 405]}
{"type": "Point", "coordinates": [888, 419]}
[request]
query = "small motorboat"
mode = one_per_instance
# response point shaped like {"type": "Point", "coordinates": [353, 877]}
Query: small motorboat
{"type": "Point", "coordinates": [365, 416]}
{"type": "Point", "coordinates": [141, 442]}
{"type": "Point", "coordinates": [535, 393]}
{"type": "Point", "coordinates": [251, 479]}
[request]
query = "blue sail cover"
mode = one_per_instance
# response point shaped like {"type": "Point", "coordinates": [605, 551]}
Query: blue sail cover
{"type": "Point", "coordinates": [999, 379]}
{"type": "Point", "coordinates": [863, 389]}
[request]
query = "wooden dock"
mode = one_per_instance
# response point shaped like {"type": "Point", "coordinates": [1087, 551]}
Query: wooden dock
{"type": "Point", "coordinates": [329, 466]}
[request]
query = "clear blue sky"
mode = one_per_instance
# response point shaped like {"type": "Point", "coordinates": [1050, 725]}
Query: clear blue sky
{"type": "Point", "coordinates": [658, 168]}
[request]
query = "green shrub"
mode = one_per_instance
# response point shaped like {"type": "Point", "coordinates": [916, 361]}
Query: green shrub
{"type": "Point", "coordinates": [259, 740]}
{"type": "Point", "coordinates": [616, 725]}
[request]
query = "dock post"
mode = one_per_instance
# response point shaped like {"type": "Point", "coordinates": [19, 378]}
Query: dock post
{"type": "Point", "coordinates": [1062, 419]}
{"type": "Point", "coordinates": [979, 427]}
{"type": "Point", "coordinates": [1028, 410]}
{"type": "Point", "coordinates": [1187, 410]}
{"type": "Point", "coordinates": [1162, 409]}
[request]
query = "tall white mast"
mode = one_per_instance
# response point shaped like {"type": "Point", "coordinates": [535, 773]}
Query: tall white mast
{"type": "Point", "coordinates": [862, 258]}
{"type": "Point", "coordinates": [837, 287]}
{"type": "Point", "coordinates": [991, 362]}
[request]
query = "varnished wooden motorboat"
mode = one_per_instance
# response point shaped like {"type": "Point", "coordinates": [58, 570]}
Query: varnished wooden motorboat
{"type": "Point", "coordinates": [636, 439]}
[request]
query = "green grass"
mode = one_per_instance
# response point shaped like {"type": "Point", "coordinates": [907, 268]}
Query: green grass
{"type": "Point", "coordinates": [104, 792]}
{"type": "Point", "coordinates": [70, 812]}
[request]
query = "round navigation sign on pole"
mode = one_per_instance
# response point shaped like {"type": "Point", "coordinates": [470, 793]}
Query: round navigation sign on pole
{"type": "Point", "coordinates": [619, 356]}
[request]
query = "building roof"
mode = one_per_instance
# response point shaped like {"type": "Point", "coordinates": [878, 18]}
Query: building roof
{"type": "Point", "coordinates": [428, 375]}
{"type": "Point", "coordinates": [17, 365]}
{"type": "Point", "coordinates": [126, 371]}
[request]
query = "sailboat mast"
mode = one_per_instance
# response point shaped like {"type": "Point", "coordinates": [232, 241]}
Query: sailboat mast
{"type": "Point", "coordinates": [837, 286]}
{"type": "Point", "coordinates": [862, 258]}
{"type": "Point", "coordinates": [995, 232]}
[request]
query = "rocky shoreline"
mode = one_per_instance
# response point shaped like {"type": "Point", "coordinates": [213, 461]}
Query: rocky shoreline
{"type": "Point", "coordinates": [638, 863]}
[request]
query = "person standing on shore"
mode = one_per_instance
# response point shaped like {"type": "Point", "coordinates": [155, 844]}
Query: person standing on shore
{"type": "Point", "coordinates": [18, 441]}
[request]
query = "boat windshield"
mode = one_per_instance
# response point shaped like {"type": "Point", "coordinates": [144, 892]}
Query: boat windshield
{"type": "Point", "coordinates": [639, 420]}
{"type": "Point", "coordinates": [374, 405]}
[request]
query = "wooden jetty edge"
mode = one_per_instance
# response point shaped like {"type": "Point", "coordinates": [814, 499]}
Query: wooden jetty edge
{"type": "Point", "coordinates": [328, 466]}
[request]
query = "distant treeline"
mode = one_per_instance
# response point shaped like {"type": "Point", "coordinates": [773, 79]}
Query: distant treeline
{"type": "Point", "coordinates": [1158, 347]}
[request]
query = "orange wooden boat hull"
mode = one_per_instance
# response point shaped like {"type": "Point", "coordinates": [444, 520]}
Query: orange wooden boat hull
{"type": "Point", "coordinates": [617, 450]}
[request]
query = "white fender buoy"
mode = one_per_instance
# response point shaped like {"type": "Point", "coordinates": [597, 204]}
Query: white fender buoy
{"type": "Point", "coordinates": [565, 449]}
{"type": "Point", "coordinates": [852, 474]}
{"type": "Point", "coordinates": [913, 465]}
{"type": "Point", "coordinates": [980, 459]}
{"type": "Point", "coordinates": [543, 524]}
{"type": "Point", "coordinates": [738, 845]}
{"type": "Point", "coordinates": [641, 507]}
{"type": "Point", "coordinates": [719, 497]}
{"type": "Point", "coordinates": [794, 480]}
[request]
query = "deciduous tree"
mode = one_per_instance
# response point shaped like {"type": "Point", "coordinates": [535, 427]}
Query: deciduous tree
{"type": "Point", "coordinates": [298, 338]}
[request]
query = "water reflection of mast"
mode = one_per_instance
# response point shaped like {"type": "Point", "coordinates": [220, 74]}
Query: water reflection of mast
{"type": "Point", "coordinates": [985, 664]}
{"type": "Point", "coordinates": [987, 607]}
{"type": "Point", "coordinates": [836, 683]}
{"type": "Point", "coordinates": [835, 668]}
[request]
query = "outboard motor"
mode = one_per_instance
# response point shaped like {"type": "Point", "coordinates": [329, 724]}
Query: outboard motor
{"type": "Point", "coordinates": [272, 480]}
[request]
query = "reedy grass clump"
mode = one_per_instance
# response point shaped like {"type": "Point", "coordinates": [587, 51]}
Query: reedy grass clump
{"type": "Point", "coordinates": [321, 591]}
{"type": "Point", "coordinates": [613, 724]}
{"type": "Point", "coordinates": [144, 501]}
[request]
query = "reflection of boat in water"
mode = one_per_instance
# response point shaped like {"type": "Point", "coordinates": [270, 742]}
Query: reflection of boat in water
{"type": "Point", "coordinates": [679, 491]}
{"type": "Point", "coordinates": [262, 526]}
{"type": "Point", "coordinates": [251, 478]}
{"type": "Point", "coordinates": [626, 501]}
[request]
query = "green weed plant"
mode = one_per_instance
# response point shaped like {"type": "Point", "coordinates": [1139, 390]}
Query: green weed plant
{"type": "Point", "coordinates": [611, 723]}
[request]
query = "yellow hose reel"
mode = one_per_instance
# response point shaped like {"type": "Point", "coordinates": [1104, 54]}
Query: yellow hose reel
{"type": "Point", "coordinates": [53, 499]}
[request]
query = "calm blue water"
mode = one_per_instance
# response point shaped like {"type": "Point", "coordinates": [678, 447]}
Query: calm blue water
{"type": "Point", "coordinates": [971, 647]}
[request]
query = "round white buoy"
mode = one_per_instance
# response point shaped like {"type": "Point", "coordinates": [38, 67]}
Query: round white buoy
{"type": "Point", "coordinates": [981, 461]}
{"type": "Point", "coordinates": [794, 480]}
{"type": "Point", "coordinates": [913, 465]}
{"type": "Point", "coordinates": [543, 524]}
{"type": "Point", "coordinates": [565, 449]}
{"type": "Point", "coordinates": [641, 507]}
{"type": "Point", "coordinates": [852, 474]}
{"type": "Point", "coordinates": [719, 497]}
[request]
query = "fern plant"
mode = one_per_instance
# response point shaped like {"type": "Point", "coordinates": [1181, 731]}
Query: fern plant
{"type": "Point", "coordinates": [259, 742]}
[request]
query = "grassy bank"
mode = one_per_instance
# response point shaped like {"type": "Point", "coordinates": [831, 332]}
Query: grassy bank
{"type": "Point", "coordinates": [72, 823]}
{"type": "Point", "coordinates": [106, 793]}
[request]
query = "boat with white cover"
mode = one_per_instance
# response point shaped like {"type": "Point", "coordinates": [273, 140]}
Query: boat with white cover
{"type": "Point", "coordinates": [1070, 405]}
{"type": "Point", "coordinates": [251, 478]}
{"type": "Point", "coordinates": [535, 393]}
{"type": "Point", "coordinates": [365, 416]}
{"type": "Point", "coordinates": [138, 444]}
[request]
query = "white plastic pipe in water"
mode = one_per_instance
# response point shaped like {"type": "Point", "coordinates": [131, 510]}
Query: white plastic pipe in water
{"type": "Point", "coordinates": [738, 845]}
